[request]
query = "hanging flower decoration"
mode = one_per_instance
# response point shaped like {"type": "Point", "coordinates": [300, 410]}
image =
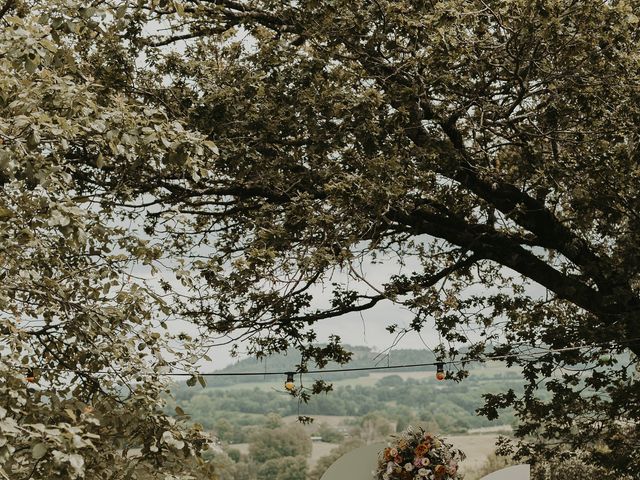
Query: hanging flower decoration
{"type": "Point", "coordinates": [419, 455]}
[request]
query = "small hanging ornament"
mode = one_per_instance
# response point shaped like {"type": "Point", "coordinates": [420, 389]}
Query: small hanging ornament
{"type": "Point", "coordinates": [440, 375]}
{"type": "Point", "coordinates": [31, 376]}
{"type": "Point", "coordinates": [289, 383]}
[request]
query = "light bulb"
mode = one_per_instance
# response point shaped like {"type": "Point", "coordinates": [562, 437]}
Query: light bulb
{"type": "Point", "coordinates": [289, 383]}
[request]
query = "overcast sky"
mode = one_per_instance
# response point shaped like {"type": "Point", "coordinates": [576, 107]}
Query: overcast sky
{"type": "Point", "coordinates": [366, 328]}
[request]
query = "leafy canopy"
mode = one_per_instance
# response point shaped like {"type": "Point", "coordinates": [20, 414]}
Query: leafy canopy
{"type": "Point", "coordinates": [75, 319]}
{"type": "Point", "coordinates": [253, 149]}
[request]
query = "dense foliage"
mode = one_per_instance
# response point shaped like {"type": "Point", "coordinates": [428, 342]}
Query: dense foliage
{"type": "Point", "coordinates": [452, 408]}
{"type": "Point", "coordinates": [213, 161]}
{"type": "Point", "coordinates": [82, 350]}
{"type": "Point", "coordinates": [571, 469]}
{"type": "Point", "coordinates": [276, 452]}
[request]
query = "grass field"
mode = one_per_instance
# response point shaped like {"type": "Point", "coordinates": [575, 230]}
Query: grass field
{"type": "Point", "coordinates": [477, 447]}
{"type": "Point", "coordinates": [319, 450]}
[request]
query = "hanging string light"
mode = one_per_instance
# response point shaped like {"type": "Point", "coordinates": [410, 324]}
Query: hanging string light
{"type": "Point", "coordinates": [289, 383]}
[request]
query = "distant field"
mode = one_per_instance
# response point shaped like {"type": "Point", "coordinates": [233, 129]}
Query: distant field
{"type": "Point", "coordinates": [477, 448]}
{"type": "Point", "coordinates": [477, 445]}
{"type": "Point", "coordinates": [499, 429]}
{"type": "Point", "coordinates": [319, 450]}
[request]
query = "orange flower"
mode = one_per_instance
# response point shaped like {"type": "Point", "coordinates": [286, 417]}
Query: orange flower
{"type": "Point", "coordinates": [421, 449]}
{"type": "Point", "coordinates": [440, 471]}
{"type": "Point", "coordinates": [387, 453]}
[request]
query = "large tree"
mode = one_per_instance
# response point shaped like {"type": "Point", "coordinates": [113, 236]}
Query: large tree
{"type": "Point", "coordinates": [257, 147]}
{"type": "Point", "coordinates": [82, 348]}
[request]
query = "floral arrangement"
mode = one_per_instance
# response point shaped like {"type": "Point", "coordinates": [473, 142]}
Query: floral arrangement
{"type": "Point", "coordinates": [418, 455]}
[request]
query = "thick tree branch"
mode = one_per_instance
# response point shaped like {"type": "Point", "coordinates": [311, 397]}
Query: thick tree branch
{"type": "Point", "coordinates": [525, 210]}
{"type": "Point", "coordinates": [8, 5]}
{"type": "Point", "coordinates": [502, 250]}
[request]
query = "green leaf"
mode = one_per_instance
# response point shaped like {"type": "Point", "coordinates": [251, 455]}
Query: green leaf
{"type": "Point", "coordinates": [212, 146]}
{"type": "Point", "coordinates": [121, 10]}
{"type": "Point", "coordinates": [77, 463]}
{"type": "Point", "coordinates": [39, 450]}
{"type": "Point", "coordinates": [5, 213]}
{"type": "Point", "coordinates": [49, 45]}
{"type": "Point", "coordinates": [179, 8]}
{"type": "Point", "coordinates": [30, 65]}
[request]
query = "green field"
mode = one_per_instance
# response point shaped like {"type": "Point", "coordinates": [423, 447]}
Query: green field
{"type": "Point", "coordinates": [363, 406]}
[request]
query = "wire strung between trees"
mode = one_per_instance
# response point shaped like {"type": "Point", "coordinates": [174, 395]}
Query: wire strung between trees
{"type": "Point", "coordinates": [532, 357]}
{"type": "Point", "coordinates": [489, 358]}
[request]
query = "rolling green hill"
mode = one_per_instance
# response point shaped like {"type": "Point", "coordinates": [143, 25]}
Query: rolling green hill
{"type": "Point", "coordinates": [399, 393]}
{"type": "Point", "coordinates": [364, 405]}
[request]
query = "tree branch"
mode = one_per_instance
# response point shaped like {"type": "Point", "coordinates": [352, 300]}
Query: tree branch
{"type": "Point", "coordinates": [9, 4]}
{"type": "Point", "coordinates": [501, 249]}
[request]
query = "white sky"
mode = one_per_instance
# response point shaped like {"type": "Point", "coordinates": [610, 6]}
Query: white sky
{"type": "Point", "coordinates": [367, 328]}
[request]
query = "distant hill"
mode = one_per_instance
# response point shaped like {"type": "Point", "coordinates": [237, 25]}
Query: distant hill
{"type": "Point", "coordinates": [236, 405]}
{"type": "Point", "coordinates": [362, 357]}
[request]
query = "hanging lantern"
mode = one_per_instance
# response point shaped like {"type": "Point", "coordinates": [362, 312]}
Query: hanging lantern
{"type": "Point", "coordinates": [31, 376]}
{"type": "Point", "coordinates": [289, 383]}
{"type": "Point", "coordinates": [440, 375]}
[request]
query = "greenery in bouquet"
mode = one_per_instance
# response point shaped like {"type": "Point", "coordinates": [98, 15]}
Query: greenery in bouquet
{"type": "Point", "coordinates": [419, 455]}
